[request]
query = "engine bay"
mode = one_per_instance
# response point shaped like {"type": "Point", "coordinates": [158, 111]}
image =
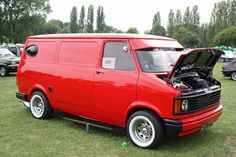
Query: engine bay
{"type": "Point", "coordinates": [192, 81]}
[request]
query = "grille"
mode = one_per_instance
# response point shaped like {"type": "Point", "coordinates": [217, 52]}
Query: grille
{"type": "Point", "coordinates": [203, 101]}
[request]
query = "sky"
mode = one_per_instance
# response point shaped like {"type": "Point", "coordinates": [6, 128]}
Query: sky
{"type": "Point", "coordinates": [123, 14]}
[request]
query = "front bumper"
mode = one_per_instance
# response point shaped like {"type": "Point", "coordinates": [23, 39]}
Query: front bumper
{"type": "Point", "coordinates": [13, 67]}
{"type": "Point", "coordinates": [182, 127]}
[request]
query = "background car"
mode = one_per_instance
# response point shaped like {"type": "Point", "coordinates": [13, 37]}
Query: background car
{"type": "Point", "coordinates": [229, 70]}
{"type": "Point", "coordinates": [228, 56]}
{"type": "Point", "coordinates": [8, 62]}
{"type": "Point", "coordinates": [13, 48]}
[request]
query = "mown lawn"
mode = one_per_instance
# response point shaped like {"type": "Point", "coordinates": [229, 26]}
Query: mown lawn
{"type": "Point", "coordinates": [22, 135]}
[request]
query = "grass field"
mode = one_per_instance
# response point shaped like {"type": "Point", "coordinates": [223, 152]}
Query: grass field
{"type": "Point", "coordinates": [22, 135]}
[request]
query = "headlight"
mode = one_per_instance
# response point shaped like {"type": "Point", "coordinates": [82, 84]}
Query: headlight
{"type": "Point", "coordinates": [184, 105]}
{"type": "Point", "coordinates": [181, 106]}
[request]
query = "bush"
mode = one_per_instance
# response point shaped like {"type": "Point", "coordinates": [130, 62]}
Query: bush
{"type": "Point", "coordinates": [226, 37]}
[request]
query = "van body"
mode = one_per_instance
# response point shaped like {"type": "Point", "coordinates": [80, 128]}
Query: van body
{"type": "Point", "coordinates": [143, 83]}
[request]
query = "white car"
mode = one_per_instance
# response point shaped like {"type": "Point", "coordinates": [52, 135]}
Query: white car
{"type": "Point", "coordinates": [8, 62]}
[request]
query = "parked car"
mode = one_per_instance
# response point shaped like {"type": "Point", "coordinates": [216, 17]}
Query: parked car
{"type": "Point", "coordinates": [13, 48]}
{"type": "Point", "coordinates": [122, 80]}
{"type": "Point", "coordinates": [8, 62]}
{"type": "Point", "coordinates": [228, 56]}
{"type": "Point", "coordinates": [229, 70]}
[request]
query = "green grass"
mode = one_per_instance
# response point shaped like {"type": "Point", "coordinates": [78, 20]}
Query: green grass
{"type": "Point", "coordinates": [22, 135]}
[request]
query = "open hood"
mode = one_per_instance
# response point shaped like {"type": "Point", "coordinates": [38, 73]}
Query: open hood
{"type": "Point", "coordinates": [196, 60]}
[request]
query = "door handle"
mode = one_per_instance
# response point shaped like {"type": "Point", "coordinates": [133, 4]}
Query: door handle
{"type": "Point", "coordinates": [99, 72]}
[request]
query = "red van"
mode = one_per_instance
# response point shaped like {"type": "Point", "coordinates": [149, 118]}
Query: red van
{"type": "Point", "coordinates": [146, 84]}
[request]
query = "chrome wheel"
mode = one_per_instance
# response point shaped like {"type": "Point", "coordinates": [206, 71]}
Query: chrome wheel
{"type": "Point", "coordinates": [142, 131]}
{"type": "Point", "coordinates": [3, 71]}
{"type": "Point", "coordinates": [37, 106]}
{"type": "Point", "coordinates": [233, 76]}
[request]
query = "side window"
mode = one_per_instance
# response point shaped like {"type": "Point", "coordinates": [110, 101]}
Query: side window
{"type": "Point", "coordinates": [117, 56]}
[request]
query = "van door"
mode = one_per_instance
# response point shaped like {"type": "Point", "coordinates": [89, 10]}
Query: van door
{"type": "Point", "coordinates": [74, 76]}
{"type": "Point", "coordinates": [115, 82]}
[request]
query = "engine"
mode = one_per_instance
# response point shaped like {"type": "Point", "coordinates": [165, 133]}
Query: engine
{"type": "Point", "coordinates": [190, 81]}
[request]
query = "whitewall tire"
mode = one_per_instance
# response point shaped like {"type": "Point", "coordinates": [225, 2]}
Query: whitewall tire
{"type": "Point", "coordinates": [39, 106]}
{"type": "Point", "coordinates": [145, 129]}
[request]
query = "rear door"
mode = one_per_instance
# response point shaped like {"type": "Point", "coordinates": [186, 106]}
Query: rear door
{"type": "Point", "coordinates": [115, 82]}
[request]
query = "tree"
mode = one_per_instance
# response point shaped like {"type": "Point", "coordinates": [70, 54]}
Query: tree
{"type": "Point", "coordinates": [90, 19]}
{"type": "Point", "coordinates": [232, 14]}
{"type": "Point", "coordinates": [170, 25]}
{"type": "Point", "coordinates": [226, 37]}
{"type": "Point", "coordinates": [59, 23]}
{"type": "Point", "coordinates": [132, 30]}
{"type": "Point", "coordinates": [73, 21]}
{"type": "Point", "coordinates": [46, 28]}
{"type": "Point", "coordinates": [178, 19]}
{"type": "Point", "coordinates": [191, 39]}
{"type": "Point", "coordinates": [204, 35]}
{"type": "Point", "coordinates": [66, 28]}
{"type": "Point", "coordinates": [195, 17]}
{"type": "Point", "coordinates": [187, 38]}
{"type": "Point", "coordinates": [187, 18]}
{"type": "Point", "coordinates": [16, 14]}
{"type": "Point", "coordinates": [157, 29]}
{"type": "Point", "coordinates": [110, 29]}
{"type": "Point", "coordinates": [223, 15]}
{"type": "Point", "coordinates": [100, 20]}
{"type": "Point", "coordinates": [82, 19]}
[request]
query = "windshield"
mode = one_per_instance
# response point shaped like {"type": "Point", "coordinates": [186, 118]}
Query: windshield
{"type": "Point", "coordinates": [157, 60]}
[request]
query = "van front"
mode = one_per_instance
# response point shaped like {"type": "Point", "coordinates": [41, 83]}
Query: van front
{"type": "Point", "coordinates": [178, 85]}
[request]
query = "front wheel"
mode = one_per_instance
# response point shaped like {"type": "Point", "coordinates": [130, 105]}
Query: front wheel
{"type": "Point", "coordinates": [3, 71]}
{"type": "Point", "coordinates": [39, 106]}
{"type": "Point", "coordinates": [233, 76]}
{"type": "Point", "coordinates": [145, 129]}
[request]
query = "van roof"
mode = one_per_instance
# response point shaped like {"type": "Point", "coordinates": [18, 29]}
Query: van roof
{"type": "Point", "coordinates": [101, 36]}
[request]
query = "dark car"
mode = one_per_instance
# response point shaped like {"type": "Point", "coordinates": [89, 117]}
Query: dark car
{"type": "Point", "coordinates": [229, 70]}
{"type": "Point", "coordinates": [8, 62]}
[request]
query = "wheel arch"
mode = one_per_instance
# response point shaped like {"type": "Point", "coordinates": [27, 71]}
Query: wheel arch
{"type": "Point", "coordinates": [39, 88]}
{"type": "Point", "coordinates": [143, 106]}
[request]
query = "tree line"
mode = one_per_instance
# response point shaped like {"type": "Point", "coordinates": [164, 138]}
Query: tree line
{"type": "Point", "coordinates": [82, 24]}
{"type": "Point", "coordinates": [20, 18]}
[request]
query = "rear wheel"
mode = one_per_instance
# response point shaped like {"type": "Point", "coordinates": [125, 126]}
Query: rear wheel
{"type": "Point", "coordinates": [39, 106]}
{"type": "Point", "coordinates": [233, 76]}
{"type": "Point", "coordinates": [145, 129]}
{"type": "Point", "coordinates": [3, 71]}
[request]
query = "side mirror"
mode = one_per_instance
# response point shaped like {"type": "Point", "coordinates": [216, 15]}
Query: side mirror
{"type": "Point", "coordinates": [32, 50]}
{"type": "Point", "coordinates": [126, 49]}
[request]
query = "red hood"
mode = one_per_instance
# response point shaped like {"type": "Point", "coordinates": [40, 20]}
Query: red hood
{"type": "Point", "coordinates": [201, 59]}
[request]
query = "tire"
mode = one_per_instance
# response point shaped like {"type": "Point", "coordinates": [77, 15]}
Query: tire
{"type": "Point", "coordinates": [39, 106]}
{"type": "Point", "coordinates": [3, 71]}
{"type": "Point", "coordinates": [145, 129]}
{"type": "Point", "coordinates": [233, 76]}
